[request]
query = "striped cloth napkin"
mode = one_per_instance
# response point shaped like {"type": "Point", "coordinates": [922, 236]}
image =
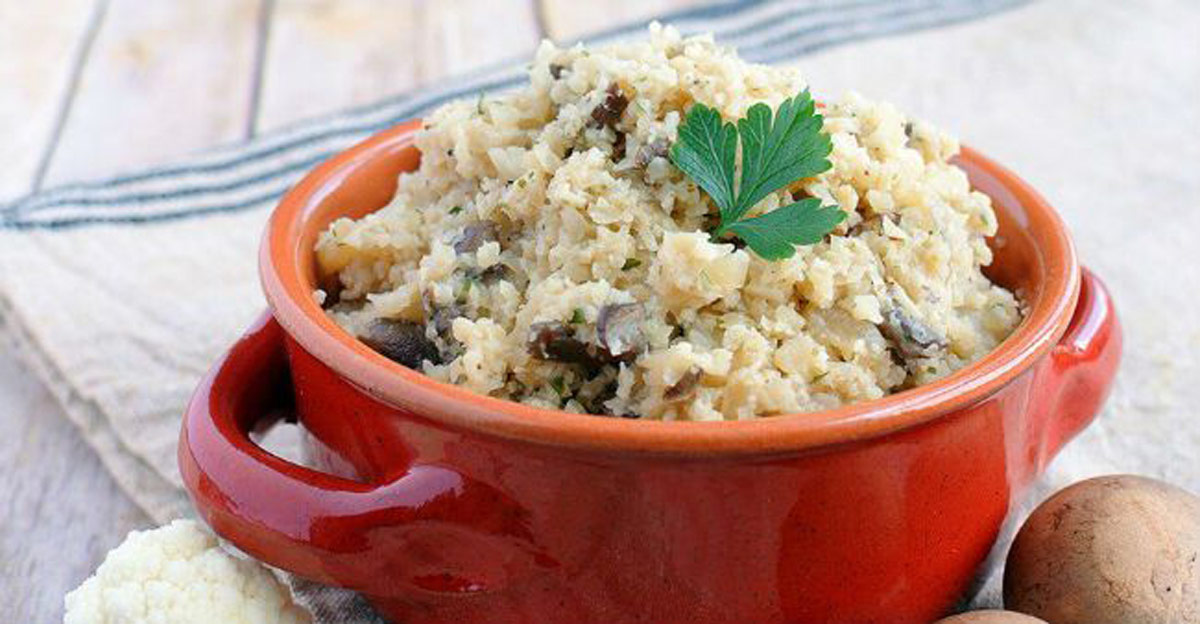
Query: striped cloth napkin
{"type": "Point", "coordinates": [121, 293]}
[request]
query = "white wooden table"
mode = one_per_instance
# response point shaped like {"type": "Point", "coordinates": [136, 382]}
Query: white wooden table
{"type": "Point", "coordinates": [92, 88]}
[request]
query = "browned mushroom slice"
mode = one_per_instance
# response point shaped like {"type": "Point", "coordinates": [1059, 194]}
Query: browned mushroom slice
{"type": "Point", "coordinates": [593, 400]}
{"type": "Point", "coordinates": [474, 235]}
{"type": "Point", "coordinates": [619, 330]}
{"type": "Point", "coordinates": [554, 340]}
{"type": "Point", "coordinates": [685, 388]}
{"type": "Point", "coordinates": [658, 148]}
{"type": "Point", "coordinates": [618, 147]}
{"type": "Point", "coordinates": [401, 341]}
{"type": "Point", "coordinates": [495, 273]}
{"type": "Point", "coordinates": [332, 287]}
{"type": "Point", "coordinates": [910, 336]}
{"type": "Point", "coordinates": [608, 112]}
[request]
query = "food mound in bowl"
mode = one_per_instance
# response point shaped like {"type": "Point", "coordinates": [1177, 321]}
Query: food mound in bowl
{"type": "Point", "coordinates": [571, 244]}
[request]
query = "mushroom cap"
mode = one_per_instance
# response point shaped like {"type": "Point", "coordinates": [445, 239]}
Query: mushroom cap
{"type": "Point", "coordinates": [991, 616]}
{"type": "Point", "coordinates": [1110, 550]}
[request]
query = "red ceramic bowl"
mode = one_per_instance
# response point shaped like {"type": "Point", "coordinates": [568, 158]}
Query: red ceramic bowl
{"type": "Point", "coordinates": [443, 506]}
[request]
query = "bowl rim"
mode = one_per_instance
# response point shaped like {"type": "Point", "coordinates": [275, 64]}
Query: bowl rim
{"type": "Point", "coordinates": [293, 304]}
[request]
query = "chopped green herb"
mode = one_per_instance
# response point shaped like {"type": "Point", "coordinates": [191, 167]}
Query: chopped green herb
{"type": "Point", "coordinates": [776, 151]}
{"type": "Point", "coordinates": [557, 384]}
{"type": "Point", "coordinates": [631, 263]}
{"type": "Point", "coordinates": [479, 104]}
{"type": "Point", "coordinates": [455, 210]}
{"type": "Point", "coordinates": [577, 317]}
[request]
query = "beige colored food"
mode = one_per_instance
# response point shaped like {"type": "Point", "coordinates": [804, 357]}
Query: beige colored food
{"type": "Point", "coordinates": [1110, 550]}
{"type": "Point", "coordinates": [508, 261]}
{"type": "Point", "coordinates": [990, 616]}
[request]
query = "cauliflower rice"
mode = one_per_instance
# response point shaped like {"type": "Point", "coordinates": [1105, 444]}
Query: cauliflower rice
{"type": "Point", "coordinates": [547, 251]}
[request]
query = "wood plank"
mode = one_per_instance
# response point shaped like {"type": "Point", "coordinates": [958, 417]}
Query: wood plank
{"type": "Point", "coordinates": [163, 79]}
{"type": "Point", "coordinates": [41, 43]}
{"type": "Point", "coordinates": [363, 50]}
{"type": "Point", "coordinates": [568, 20]}
{"type": "Point", "coordinates": [60, 511]}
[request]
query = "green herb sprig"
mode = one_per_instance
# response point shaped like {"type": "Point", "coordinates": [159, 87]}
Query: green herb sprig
{"type": "Point", "coordinates": [776, 151]}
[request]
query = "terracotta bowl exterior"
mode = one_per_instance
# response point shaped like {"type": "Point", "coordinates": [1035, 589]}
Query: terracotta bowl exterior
{"type": "Point", "coordinates": [443, 506]}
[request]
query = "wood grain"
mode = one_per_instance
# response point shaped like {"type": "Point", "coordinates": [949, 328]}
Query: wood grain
{"type": "Point", "coordinates": [324, 54]}
{"type": "Point", "coordinates": [568, 20]}
{"type": "Point", "coordinates": [41, 43]}
{"type": "Point", "coordinates": [60, 512]}
{"type": "Point", "coordinates": [163, 79]}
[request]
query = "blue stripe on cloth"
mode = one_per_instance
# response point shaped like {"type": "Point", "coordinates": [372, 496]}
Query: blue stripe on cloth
{"type": "Point", "coordinates": [257, 172]}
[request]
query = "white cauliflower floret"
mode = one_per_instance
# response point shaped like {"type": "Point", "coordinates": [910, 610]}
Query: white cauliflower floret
{"type": "Point", "coordinates": [177, 574]}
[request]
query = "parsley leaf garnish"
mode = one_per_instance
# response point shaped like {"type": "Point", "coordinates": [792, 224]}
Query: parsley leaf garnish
{"type": "Point", "coordinates": [774, 235]}
{"type": "Point", "coordinates": [777, 150]}
{"type": "Point", "coordinates": [705, 151]}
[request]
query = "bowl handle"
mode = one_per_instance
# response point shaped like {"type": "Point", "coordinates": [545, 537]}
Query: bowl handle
{"type": "Point", "coordinates": [1082, 365]}
{"type": "Point", "coordinates": [327, 528]}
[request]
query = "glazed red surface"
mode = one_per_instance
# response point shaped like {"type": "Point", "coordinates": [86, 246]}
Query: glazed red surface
{"type": "Point", "coordinates": [450, 508]}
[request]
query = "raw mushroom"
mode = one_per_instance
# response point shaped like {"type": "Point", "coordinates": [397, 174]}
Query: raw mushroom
{"type": "Point", "coordinates": [991, 616]}
{"type": "Point", "coordinates": [1119, 549]}
{"type": "Point", "coordinates": [619, 330]}
{"type": "Point", "coordinates": [401, 341]}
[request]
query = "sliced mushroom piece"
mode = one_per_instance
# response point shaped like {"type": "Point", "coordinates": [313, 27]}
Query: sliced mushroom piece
{"type": "Point", "coordinates": [401, 341]}
{"type": "Point", "coordinates": [554, 340]}
{"type": "Point", "coordinates": [331, 285]}
{"type": "Point", "coordinates": [495, 273]}
{"type": "Point", "coordinates": [619, 330]}
{"type": "Point", "coordinates": [474, 235]}
{"type": "Point", "coordinates": [608, 112]}
{"type": "Point", "coordinates": [685, 388]}
{"type": "Point", "coordinates": [910, 336]}
{"type": "Point", "coordinates": [442, 318]}
{"type": "Point", "coordinates": [618, 147]}
{"type": "Point", "coordinates": [593, 400]}
{"type": "Point", "coordinates": [658, 148]}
